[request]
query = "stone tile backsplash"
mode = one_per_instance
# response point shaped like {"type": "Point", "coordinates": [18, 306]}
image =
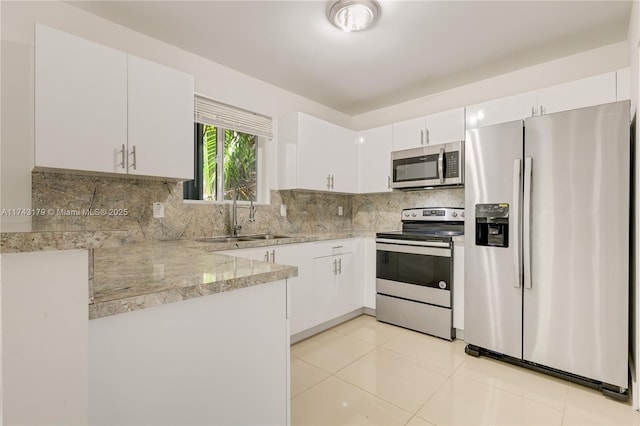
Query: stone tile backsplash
{"type": "Point", "coordinates": [68, 198]}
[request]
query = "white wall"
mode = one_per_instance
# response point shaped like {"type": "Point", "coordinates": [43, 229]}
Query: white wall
{"type": "Point", "coordinates": [574, 67]}
{"type": "Point", "coordinates": [211, 79]}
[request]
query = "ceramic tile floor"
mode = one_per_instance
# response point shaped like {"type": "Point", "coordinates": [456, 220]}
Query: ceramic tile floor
{"type": "Point", "coordinates": [364, 372]}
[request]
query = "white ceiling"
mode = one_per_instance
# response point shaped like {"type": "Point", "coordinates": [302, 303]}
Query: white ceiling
{"type": "Point", "coordinates": [416, 48]}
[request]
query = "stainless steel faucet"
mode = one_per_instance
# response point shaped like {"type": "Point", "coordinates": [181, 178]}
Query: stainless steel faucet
{"type": "Point", "coordinates": [235, 227]}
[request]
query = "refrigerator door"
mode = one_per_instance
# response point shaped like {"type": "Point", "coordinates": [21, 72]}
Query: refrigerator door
{"type": "Point", "coordinates": [493, 290]}
{"type": "Point", "coordinates": [576, 309]}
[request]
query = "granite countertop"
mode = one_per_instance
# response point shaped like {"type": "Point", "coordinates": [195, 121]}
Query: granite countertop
{"type": "Point", "coordinates": [125, 277]}
{"type": "Point", "coordinates": [139, 276]}
{"type": "Point", "coordinates": [143, 275]}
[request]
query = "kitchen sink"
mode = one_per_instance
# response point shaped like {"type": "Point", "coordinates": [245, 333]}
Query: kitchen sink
{"type": "Point", "coordinates": [219, 239]}
{"type": "Point", "coordinates": [257, 237]}
{"type": "Point", "coordinates": [264, 237]}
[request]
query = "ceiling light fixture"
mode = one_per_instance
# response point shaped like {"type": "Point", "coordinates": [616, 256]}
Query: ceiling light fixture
{"type": "Point", "coordinates": [354, 15]}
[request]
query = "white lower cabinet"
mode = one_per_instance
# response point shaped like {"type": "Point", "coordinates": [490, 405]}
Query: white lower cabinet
{"type": "Point", "coordinates": [219, 359]}
{"type": "Point", "coordinates": [45, 319]}
{"type": "Point", "coordinates": [337, 282]}
{"type": "Point", "coordinates": [329, 282]}
{"type": "Point", "coordinates": [301, 287]}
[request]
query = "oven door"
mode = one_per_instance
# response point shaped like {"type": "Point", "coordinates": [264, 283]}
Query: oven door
{"type": "Point", "coordinates": [415, 271]}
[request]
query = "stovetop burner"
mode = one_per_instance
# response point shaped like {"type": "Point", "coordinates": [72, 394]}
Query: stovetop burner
{"type": "Point", "coordinates": [429, 224]}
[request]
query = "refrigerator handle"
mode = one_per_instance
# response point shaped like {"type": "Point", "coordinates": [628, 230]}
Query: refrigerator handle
{"type": "Point", "coordinates": [441, 165]}
{"type": "Point", "coordinates": [526, 226]}
{"type": "Point", "coordinates": [517, 169]}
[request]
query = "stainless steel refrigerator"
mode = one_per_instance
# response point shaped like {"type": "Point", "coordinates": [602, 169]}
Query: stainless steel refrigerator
{"type": "Point", "coordinates": [547, 243]}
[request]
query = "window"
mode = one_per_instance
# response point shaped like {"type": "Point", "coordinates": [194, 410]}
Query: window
{"type": "Point", "coordinates": [227, 152]}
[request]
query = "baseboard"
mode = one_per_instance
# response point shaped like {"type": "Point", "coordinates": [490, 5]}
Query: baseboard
{"type": "Point", "coordinates": [295, 338]}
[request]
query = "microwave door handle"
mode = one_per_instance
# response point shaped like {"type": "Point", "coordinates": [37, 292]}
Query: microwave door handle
{"type": "Point", "coordinates": [441, 165]}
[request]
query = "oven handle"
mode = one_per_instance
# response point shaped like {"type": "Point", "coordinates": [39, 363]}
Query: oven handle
{"type": "Point", "coordinates": [413, 243]}
{"type": "Point", "coordinates": [427, 251]}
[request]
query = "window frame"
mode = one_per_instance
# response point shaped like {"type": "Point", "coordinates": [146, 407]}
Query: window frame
{"type": "Point", "coordinates": [193, 189]}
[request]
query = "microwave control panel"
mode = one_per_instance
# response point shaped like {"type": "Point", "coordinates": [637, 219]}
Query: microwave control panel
{"type": "Point", "coordinates": [451, 164]}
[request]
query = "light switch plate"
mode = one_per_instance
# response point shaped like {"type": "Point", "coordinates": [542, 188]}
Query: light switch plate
{"type": "Point", "coordinates": [158, 210]}
{"type": "Point", "coordinates": [283, 210]}
{"type": "Point", "coordinates": [340, 211]}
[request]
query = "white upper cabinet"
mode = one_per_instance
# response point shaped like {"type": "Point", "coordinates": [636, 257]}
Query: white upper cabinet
{"type": "Point", "coordinates": [374, 159]}
{"type": "Point", "coordinates": [160, 125]}
{"type": "Point", "coordinates": [446, 126]}
{"type": "Point", "coordinates": [409, 134]}
{"type": "Point", "coordinates": [501, 110]}
{"type": "Point", "coordinates": [80, 103]}
{"type": "Point", "coordinates": [623, 84]}
{"type": "Point", "coordinates": [600, 89]}
{"type": "Point", "coordinates": [586, 92]}
{"type": "Point", "coordinates": [315, 154]}
{"type": "Point", "coordinates": [342, 159]}
{"type": "Point", "coordinates": [441, 127]}
{"type": "Point", "coordinates": [101, 110]}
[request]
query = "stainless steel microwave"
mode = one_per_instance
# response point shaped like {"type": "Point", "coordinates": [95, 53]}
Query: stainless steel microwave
{"type": "Point", "coordinates": [428, 166]}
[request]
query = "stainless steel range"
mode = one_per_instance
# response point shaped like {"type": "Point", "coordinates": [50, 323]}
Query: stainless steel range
{"type": "Point", "coordinates": [414, 271]}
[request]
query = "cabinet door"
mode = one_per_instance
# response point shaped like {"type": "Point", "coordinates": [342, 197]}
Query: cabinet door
{"type": "Point", "coordinates": [623, 84]}
{"type": "Point", "coordinates": [374, 160]}
{"type": "Point", "coordinates": [409, 134]}
{"type": "Point", "coordinates": [446, 126]}
{"type": "Point", "coordinates": [501, 110]}
{"type": "Point", "coordinates": [600, 89]}
{"type": "Point", "coordinates": [301, 297]}
{"type": "Point", "coordinates": [349, 288]}
{"type": "Point", "coordinates": [325, 288]}
{"type": "Point", "coordinates": [80, 103]}
{"type": "Point", "coordinates": [160, 127]}
{"type": "Point", "coordinates": [313, 153]}
{"type": "Point", "coordinates": [342, 158]}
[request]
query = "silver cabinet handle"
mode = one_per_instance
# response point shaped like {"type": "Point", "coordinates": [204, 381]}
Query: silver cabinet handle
{"type": "Point", "coordinates": [340, 266]}
{"type": "Point", "coordinates": [542, 110]}
{"type": "Point", "coordinates": [526, 225]}
{"type": "Point", "coordinates": [389, 182]}
{"type": "Point", "coordinates": [516, 222]}
{"type": "Point", "coordinates": [533, 111]}
{"type": "Point", "coordinates": [441, 165]}
{"type": "Point", "coordinates": [122, 163]}
{"type": "Point", "coordinates": [421, 137]}
{"type": "Point", "coordinates": [328, 181]}
{"type": "Point", "coordinates": [335, 267]}
{"type": "Point", "coordinates": [331, 181]}
{"type": "Point", "coordinates": [427, 132]}
{"type": "Point", "coordinates": [336, 247]}
{"type": "Point", "coordinates": [266, 256]}
{"type": "Point", "coordinates": [273, 256]}
{"type": "Point", "coordinates": [133, 152]}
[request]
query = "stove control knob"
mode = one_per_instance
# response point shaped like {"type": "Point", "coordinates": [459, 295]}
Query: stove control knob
{"type": "Point", "coordinates": [442, 285]}
{"type": "Point", "coordinates": [413, 214]}
{"type": "Point", "coordinates": [406, 214]}
{"type": "Point", "coordinates": [462, 214]}
{"type": "Point", "coordinates": [454, 214]}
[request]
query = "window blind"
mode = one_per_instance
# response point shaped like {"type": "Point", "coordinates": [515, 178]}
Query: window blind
{"type": "Point", "coordinates": [214, 113]}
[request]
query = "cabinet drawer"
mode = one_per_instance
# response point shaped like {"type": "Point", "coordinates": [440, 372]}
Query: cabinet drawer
{"type": "Point", "coordinates": [333, 247]}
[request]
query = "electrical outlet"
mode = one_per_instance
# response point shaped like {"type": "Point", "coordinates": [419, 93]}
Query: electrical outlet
{"type": "Point", "coordinates": [283, 210]}
{"type": "Point", "coordinates": [158, 210]}
{"type": "Point", "coordinates": [340, 211]}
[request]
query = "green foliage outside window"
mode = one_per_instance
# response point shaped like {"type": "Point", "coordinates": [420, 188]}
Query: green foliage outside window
{"type": "Point", "coordinates": [239, 164]}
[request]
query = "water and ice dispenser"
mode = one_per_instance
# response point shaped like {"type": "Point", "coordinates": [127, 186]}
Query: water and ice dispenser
{"type": "Point", "coordinates": [492, 225]}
